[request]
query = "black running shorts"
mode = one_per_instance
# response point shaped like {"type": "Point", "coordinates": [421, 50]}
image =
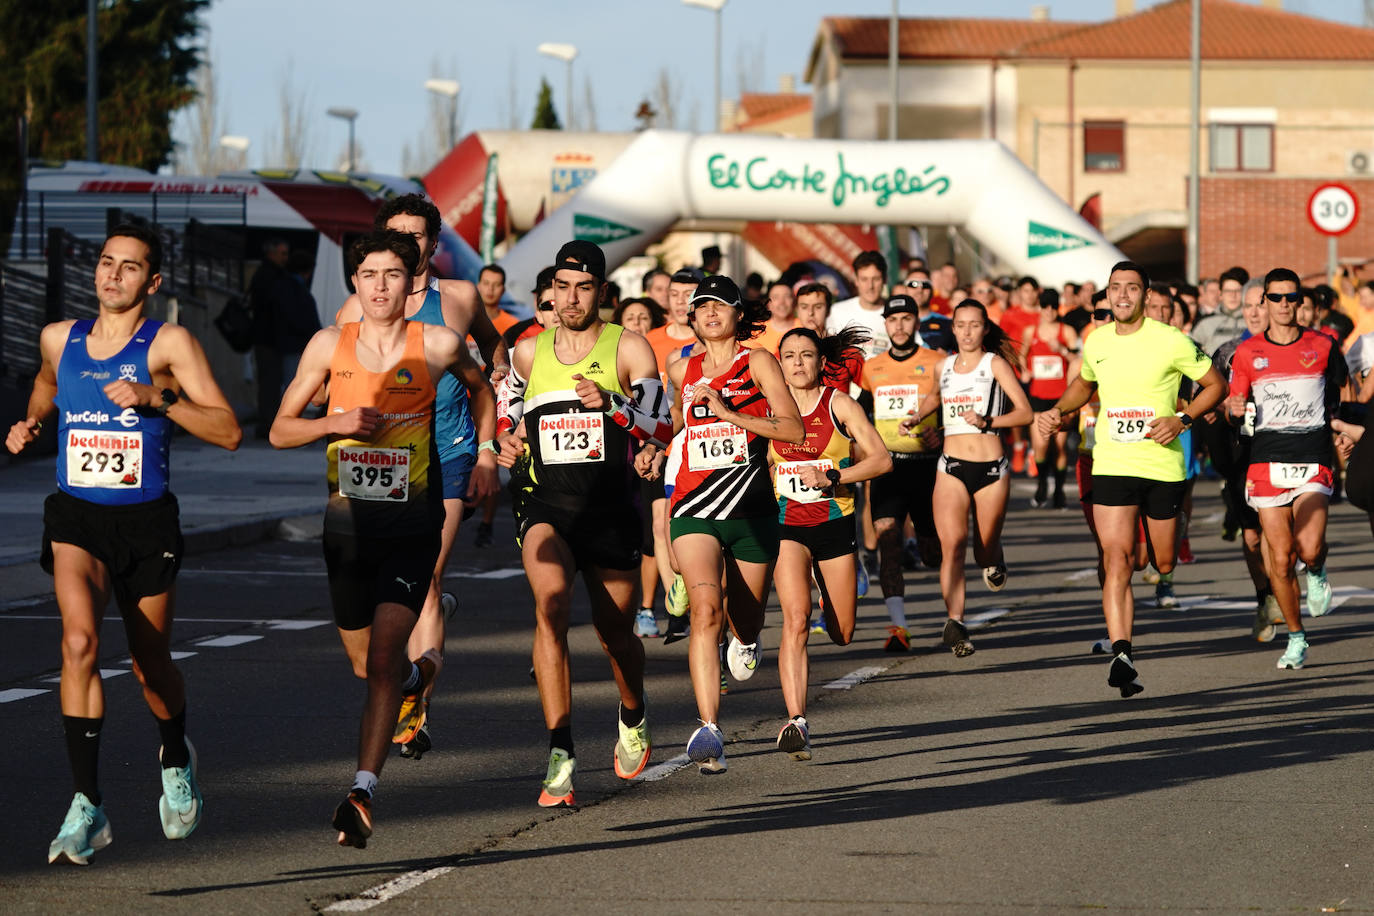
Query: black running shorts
{"type": "Point", "coordinates": [140, 545]}
{"type": "Point", "coordinates": [365, 572]}
{"type": "Point", "coordinates": [607, 538]}
{"type": "Point", "coordinates": [1158, 499]}
{"type": "Point", "coordinates": [907, 489]}
{"type": "Point", "coordinates": [826, 541]}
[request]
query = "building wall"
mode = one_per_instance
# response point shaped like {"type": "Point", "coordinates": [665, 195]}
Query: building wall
{"type": "Point", "coordinates": [1320, 114]}
{"type": "Point", "coordinates": [1261, 223]}
{"type": "Point", "coordinates": [861, 95]}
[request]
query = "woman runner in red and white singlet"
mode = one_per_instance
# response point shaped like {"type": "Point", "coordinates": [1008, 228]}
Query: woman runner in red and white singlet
{"type": "Point", "coordinates": [1049, 344]}
{"type": "Point", "coordinates": [733, 400]}
{"type": "Point", "coordinates": [815, 499]}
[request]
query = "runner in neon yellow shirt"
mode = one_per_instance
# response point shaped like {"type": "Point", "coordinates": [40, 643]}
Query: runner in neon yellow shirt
{"type": "Point", "coordinates": [1138, 466]}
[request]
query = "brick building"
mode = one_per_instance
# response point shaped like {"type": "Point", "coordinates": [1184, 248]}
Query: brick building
{"type": "Point", "coordinates": [1102, 109]}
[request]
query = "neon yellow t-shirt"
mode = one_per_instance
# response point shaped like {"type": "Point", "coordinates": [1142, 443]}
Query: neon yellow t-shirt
{"type": "Point", "coordinates": [1137, 378]}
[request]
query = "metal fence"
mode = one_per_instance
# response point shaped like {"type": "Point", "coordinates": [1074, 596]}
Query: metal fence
{"type": "Point", "coordinates": [84, 214]}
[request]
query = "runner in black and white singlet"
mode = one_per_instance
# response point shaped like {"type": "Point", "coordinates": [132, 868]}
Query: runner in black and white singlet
{"type": "Point", "coordinates": [587, 393]}
{"type": "Point", "coordinates": [118, 384]}
{"type": "Point", "coordinates": [734, 401]}
{"type": "Point", "coordinates": [979, 393]}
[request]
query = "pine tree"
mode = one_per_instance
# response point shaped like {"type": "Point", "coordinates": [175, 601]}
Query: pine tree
{"type": "Point", "coordinates": [545, 117]}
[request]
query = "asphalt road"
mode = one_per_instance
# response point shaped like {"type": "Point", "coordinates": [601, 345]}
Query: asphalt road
{"type": "Point", "coordinates": [1011, 781]}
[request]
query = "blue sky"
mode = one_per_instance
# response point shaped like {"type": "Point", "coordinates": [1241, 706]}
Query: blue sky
{"type": "Point", "coordinates": [375, 57]}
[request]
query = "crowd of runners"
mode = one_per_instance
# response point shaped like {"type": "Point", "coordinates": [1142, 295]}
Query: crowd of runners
{"type": "Point", "coordinates": [718, 446]}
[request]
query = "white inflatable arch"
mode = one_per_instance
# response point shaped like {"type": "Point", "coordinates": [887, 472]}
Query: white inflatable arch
{"type": "Point", "coordinates": [666, 176]}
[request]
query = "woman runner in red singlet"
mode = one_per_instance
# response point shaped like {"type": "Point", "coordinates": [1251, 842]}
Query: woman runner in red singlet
{"type": "Point", "coordinates": [1049, 344]}
{"type": "Point", "coordinates": [814, 485]}
{"type": "Point", "coordinates": [723, 513]}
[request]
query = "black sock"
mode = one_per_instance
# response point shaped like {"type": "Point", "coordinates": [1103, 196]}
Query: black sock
{"type": "Point", "coordinates": [175, 753]}
{"type": "Point", "coordinates": [1059, 474]}
{"type": "Point", "coordinates": [1120, 646]}
{"type": "Point", "coordinates": [83, 752]}
{"type": "Point", "coordinates": [561, 737]}
{"type": "Point", "coordinates": [632, 717]}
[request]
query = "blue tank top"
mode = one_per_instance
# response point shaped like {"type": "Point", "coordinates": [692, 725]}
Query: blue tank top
{"type": "Point", "coordinates": [106, 454]}
{"type": "Point", "coordinates": [454, 430]}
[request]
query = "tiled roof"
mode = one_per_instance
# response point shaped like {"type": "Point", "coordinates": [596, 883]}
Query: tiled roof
{"type": "Point", "coordinates": [1231, 30]}
{"type": "Point", "coordinates": [765, 106]}
{"type": "Point", "coordinates": [865, 37]}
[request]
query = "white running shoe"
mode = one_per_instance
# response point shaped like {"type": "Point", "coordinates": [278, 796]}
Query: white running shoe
{"type": "Point", "coordinates": [742, 659]}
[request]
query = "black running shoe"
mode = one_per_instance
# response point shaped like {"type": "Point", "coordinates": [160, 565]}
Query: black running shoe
{"type": "Point", "coordinates": [1122, 675]}
{"type": "Point", "coordinates": [353, 819]}
{"type": "Point", "coordinates": [678, 628]}
{"type": "Point", "coordinates": [956, 638]}
{"type": "Point", "coordinates": [483, 538]}
{"type": "Point", "coordinates": [419, 746]}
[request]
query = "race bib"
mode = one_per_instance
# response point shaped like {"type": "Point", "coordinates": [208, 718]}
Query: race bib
{"type": "Point", "coordinates": [107, 460]}
{"type": "Point", "coordinates": [1128, 424]}
{"type": "Point", "coordinates": [953, 406]}
{"type": "Point", "coordinates": [1089, 433]}
{"type": "Point", "coordinates": [1247, 425]}
{"type": "Point", "coordinates": [715, 446]}
{"type": "Point", "coordinates": [1047, 368]}
{"type": "Point", "coordinates": [789, 482]}
{"type": "Point", "coordinates": [894, 402]}
{"type": "Point", "coordinates": [1287, 476]}
{"type": "Point", "coordinates": [377, 474]}
{"type": "Point", "coordinates": [572, 438]}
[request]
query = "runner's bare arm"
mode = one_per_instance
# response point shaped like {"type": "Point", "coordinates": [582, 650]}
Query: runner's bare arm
{"type": "Point", "coordinates": [1020, 413]}
{"type": "Point", "coordinates": [462, 297]}
{"type": "Point", "coordinates": [43, 397]}
{"type": "Point", "coordinates": [202, 410]}
{"type": "Point", "coordinates": [875, 461]}
{"type": "Point", "coordinates": [1078, 392]}
{"type": "Point", "coordinates": [510, 403]}
{"type": "Point", "coordinates": [784, 425]}
{"type": "Point", "coordinates": [450, 353]}
{"type": "Point", "coordinates": [290, 429]}
{"type": "Point", "coordinates": [645, 416]}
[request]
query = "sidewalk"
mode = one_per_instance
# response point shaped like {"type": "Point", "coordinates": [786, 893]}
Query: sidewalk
{"type": "Point", "coordinates": [226, 498]}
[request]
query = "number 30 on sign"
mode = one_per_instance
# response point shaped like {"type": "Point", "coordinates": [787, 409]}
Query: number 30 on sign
{"type": "Point", "coordinates": [1333, 209]}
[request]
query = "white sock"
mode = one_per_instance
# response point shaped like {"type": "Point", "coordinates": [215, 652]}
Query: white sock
{"type": "Point", "coordinates": [896, 610]}
{"type": "Point", "coordinates": [367, 781]}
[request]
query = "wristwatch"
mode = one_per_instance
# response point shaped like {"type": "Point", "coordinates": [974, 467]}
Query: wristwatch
{"type": "Point", "coordinates": [1185, 419]}
{"type": "Point", "coordinates": [169, 397]}
{"type": "Point", "coordinates": [833, 476]}
{"type": "Point", "coordinates": [488, 446]}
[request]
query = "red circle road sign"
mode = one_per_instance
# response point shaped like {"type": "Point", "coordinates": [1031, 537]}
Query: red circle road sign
{"type": "Point", "coordinates": [1333, 209]}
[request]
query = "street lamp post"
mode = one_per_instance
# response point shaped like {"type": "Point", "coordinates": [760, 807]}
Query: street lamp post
{"type": "Point", "coordinates": [237, 144]}
{"type": "Point", "coordinates": [566, 53]}
{"type": "Point", "coordinates": [350, 115]}
{"type": "Point", "coordinates": [449, 88]}
{"type": "Point", "coordinates": [714, 6]}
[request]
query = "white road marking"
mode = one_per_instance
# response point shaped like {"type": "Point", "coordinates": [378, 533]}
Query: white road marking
{"type": "Point", "coordinates": [384, 892]}
{"type": "Point", "coordinates": [983, 618]}
{"type": "Point", "coordinates": [489, 574]}
{"type": "Point", "coordinates": [855, 677]}
{"type": "Point", "coordinates": [251, 572]}
{"type": "Point", "coordinates": [25, 602]}
{"type": "Point", "coordinates": [176, 657]}
{"type": "Point", "coordinates": [1090, 573]}
{"type": "Point", "coordinates": [275, 624]}
{"type": "Point", "coordinates": [294, 624]}
{"type": "Point", "coordinates": [105, 674]}
{"type": "Point", "coordinates": [224, 642]}
{"type": "Point", "coordinates": [665, 769]}
{"type": "Point", "coordinates": [20, 693]}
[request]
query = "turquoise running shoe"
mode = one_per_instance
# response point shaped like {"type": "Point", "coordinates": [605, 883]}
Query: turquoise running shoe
{"type": "Point", "coordinates": [181, 803]}
{"type": "Point", "coordinates": [1318, 592]}
{"type": "Point", "coordinates": [84, 830]}
{"type": "Point", "coordinates": [1295, 656]}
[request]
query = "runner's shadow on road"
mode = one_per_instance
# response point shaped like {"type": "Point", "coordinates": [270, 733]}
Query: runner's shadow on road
{"type": "Point", "coordinates": [361, 869]}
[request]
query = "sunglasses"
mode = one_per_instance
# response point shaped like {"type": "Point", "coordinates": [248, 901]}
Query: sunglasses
{"type": "Point", "coordinates": [920, 284]}
{"type": "Point", "coordinates": [1294, 298]}
{"type": "Point", "coordinates": [1102, 314]}
{"type": "Point", "coordinates": [546, 306]}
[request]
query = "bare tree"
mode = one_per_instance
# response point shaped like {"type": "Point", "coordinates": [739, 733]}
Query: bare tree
{"type": "Point", "coordinates": [200, 152]}
{"type": "Point", "coordinates": [432, 143]}
{"type": "Point", "coordinates": [666, 99]}
{"type": "Point", "coordinates": [508, 109]}
{"type": "Point", "coordinates": [288, 146]}
{"type": "Point", "coordinates": [749, 66]}
{"type": "Point", "coordinates": [586, 114]}
{"type": "Point", "coordinates": [360, 163]}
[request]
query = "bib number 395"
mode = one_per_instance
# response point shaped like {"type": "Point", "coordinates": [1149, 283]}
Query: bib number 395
{"type": "Point", "coordinates": [377, 474]}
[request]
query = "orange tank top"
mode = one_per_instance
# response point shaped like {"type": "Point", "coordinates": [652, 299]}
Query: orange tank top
{"type": "Point", "coordinates": [386, 485]}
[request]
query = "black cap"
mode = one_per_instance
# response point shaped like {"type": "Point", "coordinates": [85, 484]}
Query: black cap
{"type": "Point", "coordinates": [1049, 298]}
{"type": "Point", "coordinates": [687, 275]}
{"type": "Point", "coordinates": [899, 304]}
{"type": "Point", "coordinates": [580, 254]}
{"type": "Point", "coordinates": [544, 280]}
{"type": "Point", "coordinates": [718, 287]}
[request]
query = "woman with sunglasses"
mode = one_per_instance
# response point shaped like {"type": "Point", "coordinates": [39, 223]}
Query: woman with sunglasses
{"type": "Point", "coordinates": [815, 498]}
{"type": "Point", "coordinates": [978, 394]}
{"type": "Point", "coordinates": [724, 523]}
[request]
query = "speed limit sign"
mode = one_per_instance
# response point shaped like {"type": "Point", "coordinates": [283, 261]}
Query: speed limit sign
{"type": "Point", "coordinates": [1333, 209]}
